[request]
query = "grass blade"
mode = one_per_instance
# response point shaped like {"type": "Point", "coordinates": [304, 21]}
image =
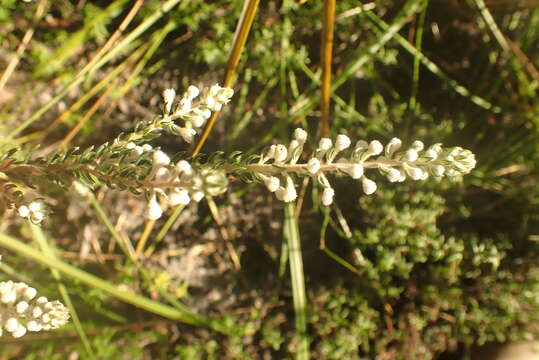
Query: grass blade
{"type": "Point", "coordinates": [41, 240]}
{"type": "Point", "coordinates": [122, 243]}
{"type": "Point", "coordinates": [242, 31]}
{"type": "Point", "coordinates": [139, 301]}
{"type": "Point", "coordinates": [164, 229]}
{"type": "Point", "coordinates": [40, 10]}
{"type": "Point", "coordinates": [418, 44]}
{"type": "Point", "coordinates": [327, 57]}
{"type": "Point", "coordinates": [291, 234]}
{"type": "Point", "coordinates": [432, 67]}
{"type": "Point", "coordinates": [69, 47]}
{"type": "Point", "coordinates": [122, 45]}
{"type": "Point", "coordinates": [121, 28]}
{"type": "Point", "coordinates": [306, 103]}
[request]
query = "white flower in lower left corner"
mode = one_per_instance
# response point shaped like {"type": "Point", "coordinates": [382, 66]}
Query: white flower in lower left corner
{"type": "Point", "coordinates": [21, 311]}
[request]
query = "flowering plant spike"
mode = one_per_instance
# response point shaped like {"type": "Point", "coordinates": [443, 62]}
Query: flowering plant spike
{"type": "Point", "coordinates": [22, 311]}
{"type": "Point", "coordinates": [417, 163]}
{"type": "Point", "coordinates": [130, 162]}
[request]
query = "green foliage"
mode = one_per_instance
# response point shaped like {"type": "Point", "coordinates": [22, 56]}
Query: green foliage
{"type": "Point", "coordinates": [207, 350]}
{"type": "Point", "coordinates": [424, 285]}
{"type": "Point", "coordinates": [344, 323]}
{"type": "Point", "coordinates": [6, 9]}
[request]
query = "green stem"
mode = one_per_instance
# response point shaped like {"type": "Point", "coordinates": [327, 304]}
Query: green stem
{"type": "Point", "coordinates": [105, 220]}
{"type": "Point", "coordinates": [418, 43]}
{"type": "Point", "coordinates": [291, 234]}
{"type": "Point", "coordinates": [164, 229]}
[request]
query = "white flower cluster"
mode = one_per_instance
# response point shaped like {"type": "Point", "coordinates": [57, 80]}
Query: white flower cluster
{"type": "Point", "coordinates": [194, 113]}
{"type": "Point", "coordinates": [138, 150]}
{"type": "Point", "coordinates": [21, 311]}
{"type": "Point", "coordinates": [282, 156]}
{"type": "Point", "coordinates": [180, 183]}
{"type": "Point", "coordinates": [35, 211]}
{"type": "Point", "coordinates": [416, 163]}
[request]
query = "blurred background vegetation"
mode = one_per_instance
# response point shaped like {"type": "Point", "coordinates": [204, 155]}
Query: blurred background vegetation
{"type": "Point", "coordinates": [415, 271]}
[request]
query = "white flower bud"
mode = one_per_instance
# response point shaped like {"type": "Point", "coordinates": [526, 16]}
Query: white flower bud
{"type": "Point", "coordinates": [411, 155]}
{"type": "Point", "coordinates": [137, 151]}
{"type": "Point", "coordinates": [430, 154]}
{"type": "Point", "coordinates": [23, 211]}
{"type": "Point", "coordinates": [418, 145]}
{"type": "Point", "coordinates": [33, 325]}
{"type": "Point", "coordinates": [11, 324]}
{"type": "Point", "coordinates": [300, 135]}
{"type": "Point", "coordinates": [184, 167]}
{"type": "Point", "coordinates": [287, 194]}
{"type": "Point", "coordinates": [210, 102]}
{"type": "Point", "coordinates": [414, 172]}
{"type": "Point", "coordinates": [130, 145]}
{"type": "Point", "coordinates": [455, 151]}
{"type": "Point", "coordinates": [29, 293]}
{"type": "Point", "coordinates": [227, 92]}
{"type": "Point", "coordinates": [214, 89]}
{"type": "Point", "coordinates": [313, 165]}
{"type": "Point", "coordinates": [361, 144]}
{"type": "Point", "coordinates": [198, 120]}
{"type": "Point", "coordinates": [179, 197]}
{"type": "Point", "coordinates": [280, 193]}
{"type": "Point", "coordinates": [327, 196]}
{"type": "Point", "coordinates": [325, 144]}
{"type": "Point", "coordinates": [8, 296]}
{"type": "Point", "coordinates": [20, 331]}
{"type": "Point", "coordinates": [192, 92]}
{"type": "Point", "coordinates": [37, 312]}
{"type": "Point", "coordinates": [205, 113]}
{"type": "Point", "coordinates": [146, 147]}
{"type": "Point", "coordinates": [438, 170]}
{"type": "Point", "coordinates": [168, 98]}
{"type": "Point", "coordinates": [187, 134]}
{"type": "Point", "coordinates": [293, 145]}
{"type": "Point", "coordinates": [35, 206]}
{"type": "Point", "coordinates": [355, 170]}
{"type": "Point", "coordinates": [375, 147]}
{"type": "Point", "coordinates": [160, 159]}
{"type": "Point", "coordinates": [271, 152]}
{"type": "Point", "coordinates": [21, 307]}
{"type": "Point", "coordinates": [291, 189]}
{"type": "Point", "coordinates": [281, 153]}
{"type": "Point", "coordinates": [272, 183]}
{"type": "Point", "coordinates": [436, 148]}
{"type": "Point", "coordinates": [184, 108]}
{"type": "Point", "coordinates": [153, 211]}
{"type": "Point", "coordinates": [37, 217]}
{"type": "Point", "coordinates": [168, 95]}
{"type": "Point", "coordinates": [162, 175]}
{"type": "Point", "coordinates": [342, 142]}
{"type": "Point", "coordinates": [217, 107]}
{"type": "Point", "coordinates": [81, 189]}
{"type": "Point", "coordinates": [393, 145]}
{"type": "Point", "coordinates": [222, 98]}
{"type": "Point", "coordinates": [197, 196]}
{"type": "Point", "coordinates": [394, 175]}
{"type": "Point", "coordinates": [368, 185]}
